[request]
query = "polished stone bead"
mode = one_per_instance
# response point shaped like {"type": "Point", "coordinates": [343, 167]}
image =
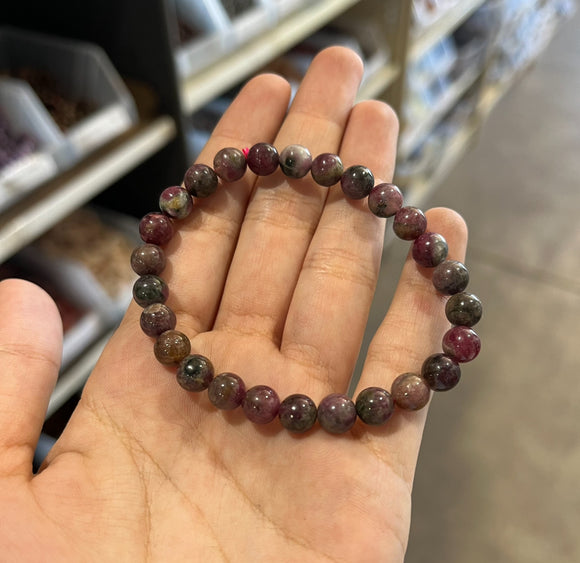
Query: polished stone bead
{"type": "Point", "coordinates": [195, 373]}
{"type": "Point", "coordinates": [156, 319]}
{"type": "Point", "coordinates": [295, 161]}
{"type": "Point", "coordinates": [410, 392]}
{"type": "Point", "coordinates": [175, 202]}
{"type": "Point", "coordinates": [297, 413]}
{"type": "Point", "coordinates": [156, 228]}
{"type": "Point", "coordinates": [409, 223]}
{"type": "Point", "coordinates": [385, 200]}
{"type": "Point", "coordinates": [229, 164]}
{"type": "Point", "coordinates": [148, 259]}
{"type": "Point", "coordinates": [150, 289]}
{"type": "Point", "coordinates": [261, 404]}
{"type": "Point", "coordinates": [226, 391]}
{"type": "Point", "coordinates": [463, 309]}
{"type": "Point", "coordinates": [263, 159]}
{"type": "Point", "coordinates": [327, 169]}
{"type": "Point", "coordinates": [374, 406]}
{"type": "Point", "coordinates": [200, 180]}
{"type": "Point", "coordinates": [171, 347]}
{"type": "Point", "coordinates": [461, 343]}
{"type": "Point", "coordinates": [336, 413]}
{"type": "Point", "coordinates": [450, 277]}
{"type": "Point", "coordinates": [357, 182]}
{"type": "Point", "coordinates": [441, 372]}
{"type": "Point", "coordinates": [429, 249]}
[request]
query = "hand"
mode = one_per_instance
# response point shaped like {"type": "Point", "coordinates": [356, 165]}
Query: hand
{"type": "Point", "coordinates": [273, 280]}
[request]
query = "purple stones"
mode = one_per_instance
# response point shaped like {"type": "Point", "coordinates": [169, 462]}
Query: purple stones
{"type": "Point", "coordinates": [226, 391]}
{"type": "Point", "coordinates": [195, 373]}
{"type": "Point", "coordinates": [156, 319]}
{"type": "Point", "coordinates": [156, 228]}
{"type": "Point", "coordinates": [261, 404]}
{"type": "Point", "coordinates": [263, 159]}
{"type": "Point", "coordinates": [175, 202]}
{"type": "Point", "coordinates": [171, 347]}
{"type": "Point", "coordinates": [200, 180]}
{"type": "Point", "coordinates": [229, 164]}
{"type": "Point", "coordinates": [336, 413]}
{"type": "Point", "coordinates": [297, 413]}
{"type": "Point", "coordinates": [429, 249]}
{"type": "Point", "coordinates": [374, 406]}
{"type": "Point", "coordinates": [295, 161]}
{"type": "Point", "coordinates": [441, 372]}
{"type": "Point", "coordinates": [461, 343]}
{"type": "Point", "coordinates": [385, 200]}
{"type": "Point", "coordinates": [327, 169]}
{"type": "Point", "coordinates": [357, 182]}
{"type": "Point", "coordinates": [148, 259]}
{"type": "Point", "coordinates": [150, 289]}
{"type": "Point", "coordinates": [463, 309]}
{"type": "Point", "coordinates": [409, 223]}
{"type": "Point", "coordinates": [450, 277]}
{"type": "Point", "coordinates": [410, 392]}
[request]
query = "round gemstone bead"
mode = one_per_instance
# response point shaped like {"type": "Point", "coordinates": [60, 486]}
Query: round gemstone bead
{"type": "Point", "coordinates": [463, 309]}
{"type": "Point", "coordinates": [156, 319]}
{"type": "Point", "coordinates": [156, 228]}
{"type": "Point", "coordinates": [441, 372]}
{"type": "Point", "coordinates": [409, 223]}
{"type": "Point", "coordinates": [327, 169]}
{"type": "Point", "coordinates": [226, 391]}
{"type": "Point", "coordinates": [429, 249]}
{"type": "Point", "coordinates": [336, 413]}
{"type": "Point", "coordinates": [200, 180]}
{"type": "Point", "coordinates": [410, 392]}
{"type": "Point", "coordinates": [357, 182]}
{"type": "Point", "coordinates": [195, 373]}
{"type": "Point", "coordinates": [374, 406]}
{"type": "Point", "coordinates": [171, 347]}
{"type": "Point", "coordinates": [295, 161]}
{"type": "Point", "coordinates": [175, 202]}
{"type": "Point", "coordinates": [297, 413]}
{"type": "Point", "coordinates": [261, 404]}
{"type": "Point", "coordinates": [150, 289]}
{"type": "Point", "coordinates": [461, 343]}
{"type": "Point", "coordinates": [263, 159]}
{"type": "Point", "coordinates": [148, 259]}
{"type": "Point", "coordinates": [450, 277]}
{"type": "Point", "coordinates": [385, 200]}
{"type": "Point", "coordinates": [229, 164]}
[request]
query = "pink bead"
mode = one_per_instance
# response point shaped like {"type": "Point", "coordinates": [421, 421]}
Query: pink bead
{"type": "Point", "coordinates": [461, 343]}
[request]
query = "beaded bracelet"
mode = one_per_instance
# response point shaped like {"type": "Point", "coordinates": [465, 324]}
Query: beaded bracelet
{"type": "Point", "coordinates": [336, 412]}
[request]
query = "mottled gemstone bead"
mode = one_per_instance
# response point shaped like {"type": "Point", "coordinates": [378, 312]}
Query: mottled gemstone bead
{"type": "Point", "coordinates": [295, 161]}
{"type": "Point", "coordinates": [410, 392]}
{"type": "Point", "coordinates": [156, 228]}
{"type": "Point", "coordinates": [263, 159]}
{"type": "Point", "coordinates": [156, 319]}
{"type": "Point", "coordinates": [148, 259]}
{"type": "Point", "coordinates": [327, 169]}
{"type": "Point", "coordinates": [171, 347]}
{"type": "Point", "coordinates": [374, 405]}
{"type": "Point", "coordinates": [195, 373]}
{"type": "Point", "coordinates": [441, 372]}
{"type": "Point", "coordinates": [461, 343]}
{"type": "Point", "coordinates": [409, 223]}
{"type": "Point", "coordinates": [357, 182]}
{"type": "Point", "coordinates": [226, 391]}
{"type": "Point", "coordinates": [429, 249]}
{"type": "Point", "coordinates": [229, 164]}
{"type": "Point", "coordinates": [200, 180]}
{"type": "Point", "coordinates": [150, 289]}
{"type": "Point", "coordinates": [385, 200]}
{"type": "Point", "coordinates": [261, 404]}
{"type": "Point", "coordinates": [175, 202]}
{"type": "Point", "coordinates": [297, 413]}
{"type": "Point", "coordinates": [450, 277]}
{"type": "Point", "coordinates": [336, 413]}
{"type": "Point", "coordinates": [463, 309]}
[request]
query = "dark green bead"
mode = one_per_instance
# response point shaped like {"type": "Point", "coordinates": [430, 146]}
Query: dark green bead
{"type": "Point", "coordinates": [150, 289]}
{"type": "Point", "coordinates": [463, 309]}
{"type": "Point", "coordinates": [374, 406]}
{"type": "Point", "coordinates": [195, 373]}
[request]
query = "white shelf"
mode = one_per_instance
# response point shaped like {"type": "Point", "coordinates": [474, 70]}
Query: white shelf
{"type": "Point", "coordinates": [378, 82]}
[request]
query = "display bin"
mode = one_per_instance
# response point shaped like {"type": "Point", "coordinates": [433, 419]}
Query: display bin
{"type": "Point", "coordinates": [249, 22]}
